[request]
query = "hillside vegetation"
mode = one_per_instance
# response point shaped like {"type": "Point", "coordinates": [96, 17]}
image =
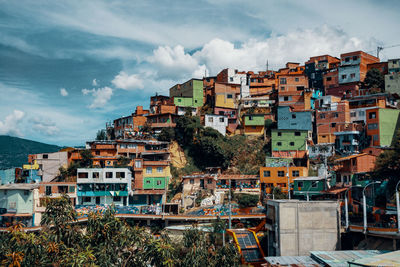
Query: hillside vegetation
{"type": "Point", "coordinates": [14, 151]}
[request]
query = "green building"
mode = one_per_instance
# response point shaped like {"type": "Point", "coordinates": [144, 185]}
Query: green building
{"type": "Point", "coordinates": [19, 201]}
{"type": "Point", "coordinates": [310, 186]}
{"type": "Point", "coordinates": [284, 140]}
{"type": "Point", "coordinates": [388, 124]}
{"type": "Point", "coordinates": [188, 94]}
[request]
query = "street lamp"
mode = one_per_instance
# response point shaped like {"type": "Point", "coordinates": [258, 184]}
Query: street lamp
{"type": "Point", "coordinates": [230, 208]}
{"type": "Point", "coordinates": [288, 180]}
{"type": "Point", "coordinates": [365, 205]}
{"type": "Point", "coordinates": [346, 208]}
{"type": "Point", "coordinates": [398, 207]}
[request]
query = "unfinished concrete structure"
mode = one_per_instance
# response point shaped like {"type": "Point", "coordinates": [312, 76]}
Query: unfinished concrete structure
{"type": "Point", "coordinates": [297, 227]}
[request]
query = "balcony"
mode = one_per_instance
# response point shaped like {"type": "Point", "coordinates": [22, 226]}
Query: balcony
{"type": "Point", "coordinates": [163, 124]}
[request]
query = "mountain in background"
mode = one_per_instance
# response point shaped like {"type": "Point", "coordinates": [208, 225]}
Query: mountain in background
{"type": "Point", "coordinates": [14, 151]}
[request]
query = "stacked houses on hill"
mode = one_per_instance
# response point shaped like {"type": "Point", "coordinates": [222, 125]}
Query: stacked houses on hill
{"type": "Point", "coordinates": [309, 112]}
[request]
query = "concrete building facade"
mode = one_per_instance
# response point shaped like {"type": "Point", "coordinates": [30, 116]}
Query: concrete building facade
{"type": "Point", "coordinates": [297, 227]}
{"type": "Point", "coordinates": [217, 122]}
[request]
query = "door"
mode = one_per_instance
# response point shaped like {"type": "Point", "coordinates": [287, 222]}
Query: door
{"type": "Point", "coordinates": [202, 183]}
{"type": "Point", "coordinates": [97, 200]}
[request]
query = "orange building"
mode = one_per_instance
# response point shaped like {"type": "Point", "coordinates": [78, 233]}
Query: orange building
{"type": "Point", "coordinates": [262, 83]}
{"type": "Point", "coordinates": [292, 87]}
{"type": "Point", "coordinates": [330, 112]}
{"type": "Point", "coordinates": [277, 176]}
{"type": "Point", "coordinates": [129, 126]}
{"type": "Point", "coordinates": [161, 104]}
{"type": "Point", "coordinates": [346, 167]}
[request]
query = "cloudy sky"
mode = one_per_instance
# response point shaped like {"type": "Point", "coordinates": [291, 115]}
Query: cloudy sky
{"type": "Point", "coordinates": [68, 67]}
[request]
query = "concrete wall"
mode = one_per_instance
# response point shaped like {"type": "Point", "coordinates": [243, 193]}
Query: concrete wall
{"type": "Point", "coordinates": [50, 166]}
{"type": "Point", "coordinates": [306, 226]}
{"type": "Point", "coordinates": [217, 122]}
{"type": "Point", "coordinates": [392, 83]}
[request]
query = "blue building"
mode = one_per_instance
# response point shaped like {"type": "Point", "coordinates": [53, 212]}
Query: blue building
{"type": "Point", "coordinates": [294, 120]}
{"type": "Point", "coordinates": [350, 139]}
{"type": "Point", "coordinates": [7, 176]}
{"type": "Point", "coordinates": [31, 176]}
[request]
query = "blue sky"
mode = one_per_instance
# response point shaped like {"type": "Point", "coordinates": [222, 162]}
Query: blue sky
{"type": "Point", "coordinates": [68, 67]}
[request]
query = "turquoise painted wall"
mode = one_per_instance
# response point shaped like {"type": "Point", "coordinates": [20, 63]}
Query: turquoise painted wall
{"type": "Point", "coordinates": [7, 176]}
{"type": "Point", "coordinates": [23, 200]}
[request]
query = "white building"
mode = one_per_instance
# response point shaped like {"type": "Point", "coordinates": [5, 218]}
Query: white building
{"type": "Point", "coordinates": [104, 186]}
{"type": "Point", "coordinates": [50, 163]}
{"type": "Point", "coordinates": [217, 122]}
{"type": "Point", "coordinates": [239, 78]}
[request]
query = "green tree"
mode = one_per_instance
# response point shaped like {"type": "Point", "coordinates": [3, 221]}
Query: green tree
{"type": "Point", "coordinates": [374, 79]}
{"type": "Point", "coordinates": [86, 160]}
{"type": "Point", "coordinates": [122, 162]}
{"type": "Point", "coordinates": [166, 134]}
{"type": "Point", "coordinates": [186, 128]}
{"type": "Point", "coordinates": [101, 135]}
{"type": "Point", "coordinates": [247, 200]}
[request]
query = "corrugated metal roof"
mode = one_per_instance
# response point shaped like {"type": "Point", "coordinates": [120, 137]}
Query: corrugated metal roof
{"type": "Point", "coordinates": [291, 260]}
{"type": "Point", "coordinates": [341, 258]}
{"type": "Point", "coordinates": [350, 157]}
{"type": "Point", "coordinates": [385, 259]}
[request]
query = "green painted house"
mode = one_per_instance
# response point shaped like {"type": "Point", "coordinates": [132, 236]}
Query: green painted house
{"type": "Point", "coordinates": [310, 186]}
{"type": "Point", "coordinates": [284, 140]}
{"type": "Point", "coordinates": [254, 120]}
{"type": "Point", "coordinates": [188, 94]}
{"type": "Point", "coordinates": [388, 124]}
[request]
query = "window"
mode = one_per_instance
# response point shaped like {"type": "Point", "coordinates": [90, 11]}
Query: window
{"type": "Point", "coordinates": [109, 175]}
{"type": "Point", "coordinates": [353, 114]}
{"type": "Point", "coordinates": [149, 170]}
{"type": "Point", "coordinates": [291, 143]}
{"type": "Point", "coordinates": [297, 133]}
{"type": "Point", "coordinates": [191, 181]}
{"type": "Point", "coordinates": [5, 192]}
{"type": "Point", "coordinates": [221, 119]}
{"type": "Point", "coordinates": [295, 173]}
{"type": "Point", "coordinates": [71, 189]}
{"type": "Point", "coordinates": [333, 124]}
{"type": "Point", "coordinates": [283, 80]}
{"type": "Point", "coordinates": [279, 133]}
{"type": "Point", "coordinates": [148, 182]}
{"type": "Point", "coordinates": [209, 181]}
{"type": "Point", "coordinates": [281, 174]}
{"type": "Point", "coordinates": [159, 182]}
{"type": "Point", "coordinates": [322, 116]}
{"type": "Point", "coordinates": [328, 78]}
{"type": "Point", "coordinates": [195, 101]}
{"type": "Point", "coordinates": [279, 144]}
{"type": "Point", "coordinates": [95, 175]}
{"type": "Point", "coordinates": [285, 98]}
{"type": "Point", "coordinates": [86, 199]}
{"type": "Point", "coordinates": [26, 192]}
{"type": "Point", "coordinates": [335, 115]}
{"type": "Point", "coordinates": [361, 113]}
{"type": "Point", "coordinates": [231, 79]}
{"type": "Point", "coordinates": [269, 185]}
{"type": "Point", "coordinates": [347, 59]}
{"type": "Point", "coordinates": [229, 96]}
{"type": "Point", "coordinates": [352, 75]}
{"type": "Point", "coordinates": [391, 77]}
{"type": "Point", "coordinates": [300, 88]}
{"type": "Point", "coordinates": [250, 118]}
{"type": "Point", "coordinates": [267, 173]}
{"type": "Point", "coordinates": [372, 126]}
{"type": "Point", "coordinates": [375, 137]}
{"type": "Point", "coordinates": [179, 100]}
{"type": "Point", "coordinates": [372, 115]}
{"type": "Point", "coordinates": [355, 57]}
{"type": "Point", "coordinates": [314, 184]}
{"type": "Point", "coordinates": [344, 76]}
{"type": "Point", "coordinates": [138, 164]}
{"type": "Point", "coordinates": [45, 156]}
{"type": "Point", "coordinates": [48, 190]}
{"type": "Point", "coordinates": [83, 175]}
{"type": "Point", "coordinates": [210, 119]}
{"type": "Point", "coordinates": [293, 116]}
{"type": "Point", "coordinates": [120, 175]}
{"type": "Point", "coordinates": [117, 198]}
{"type": "Point", "coordinates": [296, 79]}
{"type": "Point", "coordinates": [159, 169]}
{"type": "Point", "coordinates": [97, 153]}
{"type": "Point", "coordinates": [282, 88]}
{"type": "Point", "coordinates": [299, 185]}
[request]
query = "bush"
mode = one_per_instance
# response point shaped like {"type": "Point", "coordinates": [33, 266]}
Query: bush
{"type": "Point", "coordinates": [247, 200]}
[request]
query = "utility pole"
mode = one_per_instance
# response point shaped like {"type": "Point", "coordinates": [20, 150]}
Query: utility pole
{"type": "Point", "coordinates": [230, 208]}
{"type": "Point", "coordinates": [288, 179]}
{"type": "Point", "coordinates": [378, 49]}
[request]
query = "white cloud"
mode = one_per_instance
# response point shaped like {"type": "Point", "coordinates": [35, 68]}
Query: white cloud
{"type": "Point", "coordinates": [127, 82]}
{"type": "Point", "coordinates": [94, 82]}
{"type": "Point", "coordinates": [45, 126]}
{"type": "Point", "coordinates": [100, 96]}
{"type": "Point", "coordinates": [253, 54]}
{"type": "Point", "coordinates": [63, 92]}
{"type": "Point", "coordinates": [11, 123]}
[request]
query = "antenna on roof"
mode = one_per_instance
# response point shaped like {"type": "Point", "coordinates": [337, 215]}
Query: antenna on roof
{"type": "Point", "coordinates": [267, 65]}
